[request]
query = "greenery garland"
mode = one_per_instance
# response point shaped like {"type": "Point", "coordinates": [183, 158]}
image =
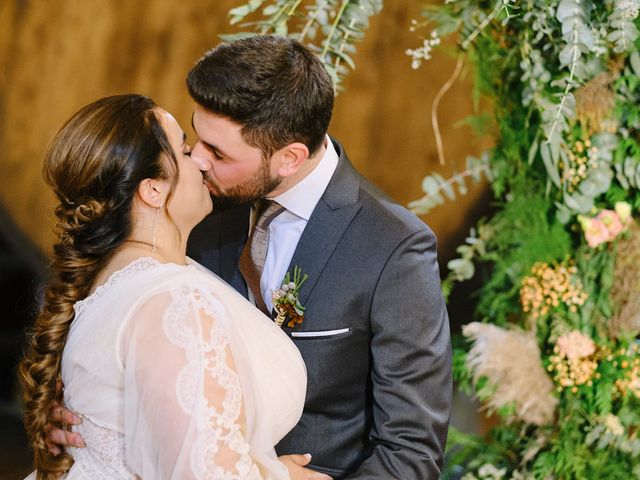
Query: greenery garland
{"type": "Point", "coordinates": [331, 28]}
{"type": "Point", "coordinates": [555, 357]}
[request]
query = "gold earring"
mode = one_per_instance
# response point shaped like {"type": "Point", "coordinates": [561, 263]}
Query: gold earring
{"type": "Point", "coordinates": [153, 235]}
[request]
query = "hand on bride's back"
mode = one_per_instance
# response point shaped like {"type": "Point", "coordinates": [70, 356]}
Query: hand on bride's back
{"type": "Point", "coordinates": [297, 471]}
{"type": "Point", "coordinates": [57, 437]}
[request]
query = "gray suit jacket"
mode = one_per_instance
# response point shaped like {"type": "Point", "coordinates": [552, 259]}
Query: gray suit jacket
{"type": "Point", "coordinates": [379, 394]}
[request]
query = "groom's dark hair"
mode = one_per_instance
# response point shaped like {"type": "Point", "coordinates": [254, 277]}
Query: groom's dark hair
{"type": "Point", "coordinates": [274, 87]}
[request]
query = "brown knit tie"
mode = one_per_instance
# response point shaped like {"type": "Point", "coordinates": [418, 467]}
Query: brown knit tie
{"type": "Point", "coordinates": [254, 253]}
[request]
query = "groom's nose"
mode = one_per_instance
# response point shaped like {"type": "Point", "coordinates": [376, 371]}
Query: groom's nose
{"type": "Point", "coordinates": [202, 157]}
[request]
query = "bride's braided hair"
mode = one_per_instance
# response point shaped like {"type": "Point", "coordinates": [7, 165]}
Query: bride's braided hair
{"type": "Point", "coordinates": [94, 165]}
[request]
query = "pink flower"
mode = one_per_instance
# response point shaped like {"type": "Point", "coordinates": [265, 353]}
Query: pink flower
{"type": "Point", "coordinates": [575, 345]}
{"type": "Point", "coordinates": [612, 222]}
{"type": "Point", "coordinates": [595, 231]}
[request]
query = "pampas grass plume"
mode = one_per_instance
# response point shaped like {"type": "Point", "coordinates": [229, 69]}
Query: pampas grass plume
{"type": "Point", "coordinates": [510, 359]}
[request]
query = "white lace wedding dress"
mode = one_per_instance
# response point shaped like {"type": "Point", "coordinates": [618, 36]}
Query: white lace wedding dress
{"type": "Point", "coordinates": [177, 376]}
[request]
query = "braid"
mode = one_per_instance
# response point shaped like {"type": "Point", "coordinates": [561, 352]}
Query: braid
{"type": "Point", "coordinates": [94, 165]}
{"type": "Point", "coordinates": [74, 266]}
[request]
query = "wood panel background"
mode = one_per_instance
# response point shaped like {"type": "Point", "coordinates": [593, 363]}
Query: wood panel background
{"type": "Point", "coordinates": [58, 55]}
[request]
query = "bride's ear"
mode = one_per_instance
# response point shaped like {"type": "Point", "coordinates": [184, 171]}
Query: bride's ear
{"type": "Point", "coordinates": [151, 192]}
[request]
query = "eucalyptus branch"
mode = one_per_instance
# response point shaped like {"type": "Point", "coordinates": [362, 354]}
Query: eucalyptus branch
{"type": "Point", "coordinates": [313, 16]}
{"type": "Point", "coordinates": [478, 30]}
{"type": "Point", "coordinates": [344, 42]}
{"type": "Point", "coordinates": [434, 186]}
{"type": "Point", "coordinates": [572, 14]}
{"type": "Point", "coordinates": [342, 23]}
{"type": "Point", "coordinates": [623, 30]}
{"type": "Point", "coordinates": [336, 22]}
{"type": "Point", "coordinates": [565, 95]}
{"type": "Point", "coordinates": [288, 8]}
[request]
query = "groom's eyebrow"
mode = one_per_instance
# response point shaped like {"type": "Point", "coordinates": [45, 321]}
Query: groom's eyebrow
{"type": "Point", "coordinates": [213, 148]}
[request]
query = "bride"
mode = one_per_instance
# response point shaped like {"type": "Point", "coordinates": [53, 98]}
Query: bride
{"type": "Point", "coordinates": [174, 374]}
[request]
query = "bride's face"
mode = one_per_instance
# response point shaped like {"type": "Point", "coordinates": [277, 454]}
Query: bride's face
{"type": "Point", "coordinates": [191, 200]}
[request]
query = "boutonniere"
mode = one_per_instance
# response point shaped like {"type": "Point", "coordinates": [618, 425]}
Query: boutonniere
{"type": "Point", "coordinates": [286, 299]}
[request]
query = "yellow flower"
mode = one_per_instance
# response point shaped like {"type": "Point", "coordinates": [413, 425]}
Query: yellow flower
{"type": "Point", "coordinates": [623, 209]}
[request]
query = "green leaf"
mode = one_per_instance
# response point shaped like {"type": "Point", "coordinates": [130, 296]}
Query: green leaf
{"type": "Point", "coordinates": [634, 61]}
{"type": "Point", "coordinates": [462, 186]}
{"type": "Point", "coordinates": [241, 11]}
{"type": "Point", "coordinates": [270, 10]}
{"type": "Point", "coordinates": [550, 165]}
{"type": "Point", "coordinates": [346, 58]}
{"type": "Point", "coordinates": [281, 28]}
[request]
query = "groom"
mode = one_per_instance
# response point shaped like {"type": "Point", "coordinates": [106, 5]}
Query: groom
{"type": "Point", "coordinates": [375, 333]}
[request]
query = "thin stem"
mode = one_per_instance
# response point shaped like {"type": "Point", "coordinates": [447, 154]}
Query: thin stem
{"type": "Point", "coordinates": [343, 44]}
{"type": "Point", "coordinates": [293, 8]}
{"type": "Point", "coordinates": [574, 62]}
{"type": "Point", "coordinates": [434, 109]}
{"type": "Point", "coordinates": [483, 24]}
{"type": "Point", "coordinates": [466, 173]}
{"type": "Point", "coordinates": [336, 22]}
{"type": "Point", "coordinates": [312, 18]}
{"type": "Point", "coordinates": [276, 18]}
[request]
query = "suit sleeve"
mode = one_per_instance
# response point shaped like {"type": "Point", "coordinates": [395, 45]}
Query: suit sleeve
{"type": "Point", "coordinates": [411, 372]}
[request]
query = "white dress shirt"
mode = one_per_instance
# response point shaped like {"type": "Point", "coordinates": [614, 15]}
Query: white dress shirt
{"type": "Point", "coordinates": [286, 229]}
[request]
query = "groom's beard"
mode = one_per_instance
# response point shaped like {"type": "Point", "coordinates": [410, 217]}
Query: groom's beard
{"type": "Point", "coordinates": [258, 186]}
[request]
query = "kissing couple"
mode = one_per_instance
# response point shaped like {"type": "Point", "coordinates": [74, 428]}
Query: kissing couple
{"type": "Point", "coordinates": [148, 363]}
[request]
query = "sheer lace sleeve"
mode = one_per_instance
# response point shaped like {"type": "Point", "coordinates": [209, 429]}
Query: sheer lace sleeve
{"type": "Point", "coordinates": [184, 414]}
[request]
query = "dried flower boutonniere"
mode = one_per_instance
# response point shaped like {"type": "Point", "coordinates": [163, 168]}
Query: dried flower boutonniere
{"type": "Point", "coordinates": [286, 299]}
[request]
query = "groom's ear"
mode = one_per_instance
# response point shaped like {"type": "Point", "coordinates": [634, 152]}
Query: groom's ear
{"type": "Point", "coordinates": [290, 158]}
{"type": "Point", "coordinates": [150, 192]}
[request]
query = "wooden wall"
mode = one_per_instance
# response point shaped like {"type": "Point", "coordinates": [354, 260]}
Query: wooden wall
{"type": "Point", "coordinates": [57, 55]}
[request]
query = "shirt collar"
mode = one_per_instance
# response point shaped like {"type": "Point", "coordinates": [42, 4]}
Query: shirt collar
{"type": "Point", "coordinates": [302, 198]}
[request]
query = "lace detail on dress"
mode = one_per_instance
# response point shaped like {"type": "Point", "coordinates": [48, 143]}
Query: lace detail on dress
{"type": "Point", "coordinates": [138, 265]}
{"type": "Point", "coordinates": [206, 354]}
{"type": "Point", "coordinates": [104, 456]}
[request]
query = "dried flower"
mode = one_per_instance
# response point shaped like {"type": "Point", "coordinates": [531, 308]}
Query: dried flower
{"type": "Point", "coordinates": [286, 299]}
{"type": "Point", "coordinates": [573, 360]}
{"type": "Point", "coordinates": [418, 55]}
{"type": "Point", "coordinates": [581, 158]}
{"type": "Point", "coordinates": [595, 100]}
{"type": "Point", "coordinates": [511, 361]}
{"type": "Point", "coordinates": [575, 345]}
{"type": "Point", "coordinates": [631, 380]}
{"type": "Point", "coordinates": [491, 472]}
{"type": "Point", "coordinates": [613, 424]}
{"type": "Point", "coordinates": [548, 287]}
{"type": "Point", "coordinates": [625, 291]}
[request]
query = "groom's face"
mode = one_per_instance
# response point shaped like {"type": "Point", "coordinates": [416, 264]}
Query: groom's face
{"type": "Point", "coordinates": [236, 172]}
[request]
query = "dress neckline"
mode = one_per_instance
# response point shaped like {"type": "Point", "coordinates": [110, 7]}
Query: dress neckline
{"type": "Point", "coordinates": [140, 264]}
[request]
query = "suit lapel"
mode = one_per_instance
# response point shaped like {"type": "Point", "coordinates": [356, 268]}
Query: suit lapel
{"type": "Point", "coordinates": [327, 224]}
{"type": "Point", "coordinates": [233, 236]}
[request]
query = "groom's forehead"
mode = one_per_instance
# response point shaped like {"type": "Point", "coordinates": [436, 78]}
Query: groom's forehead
{"type": "Point", "coordinates": [207, 119]}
